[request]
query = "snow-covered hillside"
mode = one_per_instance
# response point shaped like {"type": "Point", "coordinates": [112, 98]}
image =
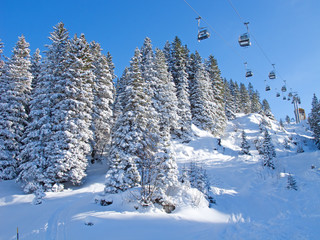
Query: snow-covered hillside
{"type": "Point", "coordinates": [252, 202]}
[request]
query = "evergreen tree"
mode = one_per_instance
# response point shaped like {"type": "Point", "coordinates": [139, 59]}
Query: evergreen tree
{"type": "Point", "coordinates": [245, 102]}
{"type": "Point", "coordinates": [196, 177]}
{"type": "Point", "coordinates": [148, 71]}
{"type": "Point", "coordinates": [314, 117]}
{"type": "Point", "coordinates": [129, 133]}
{"type": "Point", "coordinates": [119, 103]}
{"type": "Point", "coordinates": [34, 155]}
{"type": "Point", "coordinates": [35, 68]}
{"type": "Point", "coordinates": [57, 141]}
{"type": "Point", "coordinates": [1, 61]}
{"type": "Point", "coordinates": [164, 97]}
{"type": "Point", "coordinates": [177, 64]}
{"type": "Point", "coordinates": [235, 91]}
{"type": "Point", "coordinates": [250, 90]}
{"type": "Point", "coordinates": [268, 151]}
{"type": "Point", "coordinates": [15, 89]}
{"type": "Point", "coordinates": [167, 54]}
{"type": "Point", "coordinates": [201, 97]}
{"type": "Point", "coordinates": [245, 146]}
{"type": "Point", "coordinates": [111, 66]}
{"type": "Point", "coordinates": [266, 109]}
{"type": "Point", "coordinates": [69, 147]}
{"type": "Point", "coordinates": [218, 108]}
{"type": "Point", "coordinates": [292, 184]}
{"type": "Point", "coordinates": [256, 106]}
{"type": "Point", "coordinates": [102, 118]}
{"type": "Point", "coordinates": [281, 124]}
{"type": "Point", "coordinates": [287, 119]}
{"type": "Point", "coordinates": [228, 99]}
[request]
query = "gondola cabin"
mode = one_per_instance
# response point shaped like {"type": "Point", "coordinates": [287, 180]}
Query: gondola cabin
{"type": "Point", "coordinates": [283, 89]}
{"type": "Point", "coordinates": [272, 75]}
{"type": "Point", "coordinates": [278, 95]}
{"type": "Point", "coordinates": [268, 88]}
{"type": "Point", "coordinates": [249, 73]}
{"type": "Point", "coordinates": [244, 40]}
{"type": "Point", "coordinates": [203, 34]}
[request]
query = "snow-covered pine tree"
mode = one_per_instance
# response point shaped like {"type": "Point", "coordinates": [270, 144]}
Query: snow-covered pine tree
{"type": "Point", "coordinates": [228, 99]}
{"type": "Point", "coordinates": [313, 115]}
{"type": "Point", "coordinates": [180, 77]}
{"type": "Point", "coordinates": [201, 98]}
{"type": "Point", "coordinates": [1, 61]}
{"type": "Point", "coordinates": [245, 146]}
{"type": "Point", "coordinates": [33, 174]}
{"type": "Point", "coordinates": [291, 183]}
{"type": "Point", "coordinates": [245, 102]}
{"type": "Point", "coordinates": [57, 141]}
{"type": "Point", "coordinates": [103, 89]}
{"type": "Point", "coordinates": [148, 71]}
{"type": "Point", "coordinates": [250, 90]}
{"type": "Point", "coordinates": [268, 151]}
{"type": "Point", "coordinates": [129, 133]}
{"type": "Point", "coordinates": [218, 103]}
{"type": "Point", "coordinates": [68, 148]}
{"type": "Point", "coordinates": [35, 68]}
{"type": "Point", "coordinates": [111, 66]}
{"type": "Point", "coordinates": [167, 54]}
{"type": "Point", "coordinates": [314, 119]}
{"type": "Point", "coordinates": [256, 106]}
{"type": "Point", "coordinates": [164, 97]}
{"type": "Point", "coordinates": [235, 91]}
{"type": "Point", "coordinates": [266, 109]}
{"type": "Point", "coordinates": [165, 104]}
{"type": "Point", "coordinates": [287, 119]}
{"type": "Point", "coordinates": [119, 103]}
{"type": "Point", "coordinates": [197, 177]}
{"type": "Point", "coordinates": [15, 90]}
{"type": "Point", "coordinates": [281, 124]}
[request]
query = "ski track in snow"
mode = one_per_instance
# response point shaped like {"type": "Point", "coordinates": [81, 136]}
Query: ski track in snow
{"type": "Point", "coordinates": [252, 202]}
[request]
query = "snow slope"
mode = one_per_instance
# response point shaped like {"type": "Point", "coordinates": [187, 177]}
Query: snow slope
{"type": "Point", "coordinates": [252, 202]}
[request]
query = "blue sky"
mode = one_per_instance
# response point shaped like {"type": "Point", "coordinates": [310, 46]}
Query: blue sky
{"type": "Point", "coordinates": [287, 30]}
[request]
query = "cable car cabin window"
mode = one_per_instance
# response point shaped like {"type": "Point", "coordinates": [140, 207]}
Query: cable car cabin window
{"type": "Point", "coordinates": [203, 34]}
{"type": "Point", "coordinates": [284, 89]}
{"type": "Point", "coordinates": [244, 40]}
{"type": "Point", "coordinates": [272, 75]}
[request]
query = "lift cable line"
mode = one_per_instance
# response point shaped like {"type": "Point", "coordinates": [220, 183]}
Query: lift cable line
{"type": "Point", "coordinates": [254, 38]}
{"type": "Point", "coordinates": [291, 95]}
{"type": "Point", "coordinates": [217, 33]}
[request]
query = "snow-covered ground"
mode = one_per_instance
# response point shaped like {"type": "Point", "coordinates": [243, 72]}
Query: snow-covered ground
{"type": "Point", "coordinates": [251, 202]}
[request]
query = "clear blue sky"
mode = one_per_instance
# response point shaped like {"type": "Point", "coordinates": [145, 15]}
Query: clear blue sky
{"type": "Point", "coordinates": [287, 30]}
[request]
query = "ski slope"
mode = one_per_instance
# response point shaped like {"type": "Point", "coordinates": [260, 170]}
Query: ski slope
{"type": "Point", "coordinates": [251, 202]}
